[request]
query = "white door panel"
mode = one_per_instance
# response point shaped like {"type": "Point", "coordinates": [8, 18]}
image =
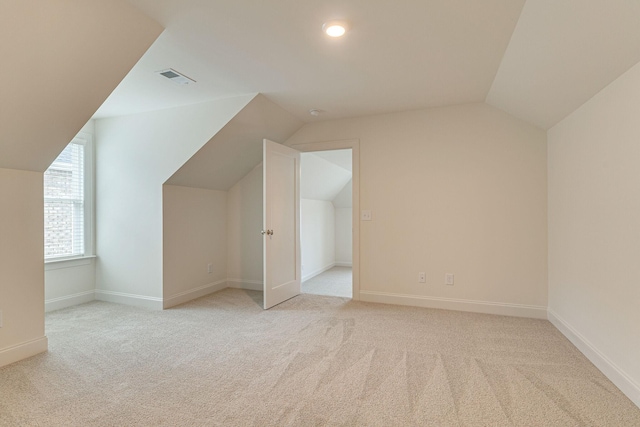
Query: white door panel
{"type": "Point", "coordinates": [281, 221]}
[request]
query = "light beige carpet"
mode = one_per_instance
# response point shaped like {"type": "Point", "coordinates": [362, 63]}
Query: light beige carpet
{"type": "Point", "coordinates": [336, 282]}
{"type": "Point", "coordinates": [311, 361]}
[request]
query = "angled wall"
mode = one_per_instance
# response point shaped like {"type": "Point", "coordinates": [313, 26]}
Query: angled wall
{"type": "Point", "coordinates": [61, 59]}
{"type": "Point", "coordinates": [594, 230]}
{"type": "Point", "coordinates": [229, 164]}
{"type": "Point", "coordinates": [135, 155]}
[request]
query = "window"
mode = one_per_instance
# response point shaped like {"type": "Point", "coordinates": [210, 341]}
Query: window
{"type": "Point", "coordinates": [66, 205]}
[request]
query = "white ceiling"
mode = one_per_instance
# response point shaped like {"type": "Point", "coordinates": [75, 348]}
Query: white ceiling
{"type": "Point", "coordinates": [53, 80]}
{"type": "Point", "coordinates": [564, 52]}
{"type": "Point", "coordinates": [237, 148]}
{"type": "Point", "coordinates": [340, 158]}
{"type": "Point", "coordinates": [397, 56]}
{"type": "Point", "coordinates": [321, 179]}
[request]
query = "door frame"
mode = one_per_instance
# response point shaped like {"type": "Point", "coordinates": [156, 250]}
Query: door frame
{"type": "Point", "coordinates": [354, 145]}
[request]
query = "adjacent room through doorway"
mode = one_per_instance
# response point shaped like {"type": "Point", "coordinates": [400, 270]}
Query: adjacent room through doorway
{"type": "Point", "coordinates": [326, 222]}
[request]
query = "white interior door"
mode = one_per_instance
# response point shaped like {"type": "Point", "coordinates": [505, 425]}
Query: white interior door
{"type": "Point", "coordinates": [281, 223]}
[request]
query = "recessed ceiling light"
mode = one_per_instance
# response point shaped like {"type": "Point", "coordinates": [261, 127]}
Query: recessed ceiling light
{"type": "Point", "coordinates": [315, 112]}
{"type": "Point", "coordinates": [335, 28]}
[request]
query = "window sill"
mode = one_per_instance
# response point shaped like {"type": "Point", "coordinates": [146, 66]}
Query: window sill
{"type": "Point", "coordinates": [55, 264]}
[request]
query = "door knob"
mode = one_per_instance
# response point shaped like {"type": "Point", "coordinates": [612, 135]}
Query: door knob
{"type": "Point", "coordinates": [268, 232]}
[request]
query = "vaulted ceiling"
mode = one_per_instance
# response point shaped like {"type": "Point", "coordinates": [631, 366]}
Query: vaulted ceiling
{"type": "Point", "coordinates": [537, 59]}
{"type": "Point", "coordinates": [53, 80]}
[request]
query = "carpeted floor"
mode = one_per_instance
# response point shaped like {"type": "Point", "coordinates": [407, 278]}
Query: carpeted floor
{"type": "Point", "coordinates": [312, 361]}
{"type": "Point", "coordinates": [335, 282]}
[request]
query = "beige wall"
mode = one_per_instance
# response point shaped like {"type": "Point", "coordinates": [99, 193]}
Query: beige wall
{"type": "Point", "coordinates": [594, 229]}
{"type": "Point", "coordinates": [21, 264]}
{"type": "Point", "coordinates": [452, 190]}
{"type": "Point", "coordinates": [194, 236]}
{"type": "Point", "coordinates": [244, 221]}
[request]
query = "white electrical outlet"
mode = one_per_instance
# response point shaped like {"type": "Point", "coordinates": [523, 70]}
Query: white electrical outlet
{"type": "Point", "coordinates": [422, 277]}
{"type": "Point", "coordinates": [365, 215]}
{"type": "Point", "coordinates": [209, 268]}
{"type": "Point", "coordinates": [448, 279]}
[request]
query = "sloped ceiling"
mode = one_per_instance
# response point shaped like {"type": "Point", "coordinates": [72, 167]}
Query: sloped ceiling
{"type": "Point", "coordinates": [538, 60]}
{"type": "Point", "coordinates": [237, 148]}
{"type": "Point", "coordinates": [324, 175]}
{"type": "Point", "coordinates": [397, 56]}
{"type": "Point", "coordinates": [60, 61]}
{"type": "Point", "coordinates": [564, 52]}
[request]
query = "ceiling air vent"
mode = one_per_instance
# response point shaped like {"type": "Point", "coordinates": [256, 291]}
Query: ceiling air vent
{"type": "Point", "coordinates": [175, 77]}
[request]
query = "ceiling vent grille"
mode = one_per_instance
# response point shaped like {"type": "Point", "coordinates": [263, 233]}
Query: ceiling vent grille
{"type": "Point", "coordinates": [175, 76]}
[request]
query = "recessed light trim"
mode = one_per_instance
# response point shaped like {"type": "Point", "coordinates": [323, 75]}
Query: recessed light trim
{"type": "Point", "coordinates": [335, 28]}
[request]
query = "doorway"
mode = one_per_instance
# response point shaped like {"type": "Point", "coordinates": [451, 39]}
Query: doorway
{"type": "Point", "coordinates": [326, 219]}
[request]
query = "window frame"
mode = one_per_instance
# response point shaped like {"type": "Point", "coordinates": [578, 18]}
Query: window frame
{"type": "Point", "coordinates": [85, 139]}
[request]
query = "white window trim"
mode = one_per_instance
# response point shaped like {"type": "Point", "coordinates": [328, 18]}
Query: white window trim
{"type": "Point", "coordinates": [85, 139]}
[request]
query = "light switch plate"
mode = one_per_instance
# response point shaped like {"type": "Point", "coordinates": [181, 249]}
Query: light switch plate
{"type": "Point", "coordinates": [365, 215]}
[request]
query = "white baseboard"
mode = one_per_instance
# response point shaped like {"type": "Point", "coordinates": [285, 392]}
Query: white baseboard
{"type": "Point", "coordinates": [313, 274]}
{"type": "Point", "coordinates": [617, 376]}
{"type": "Point", "coordinates": [23, 350]}
{"type": "Point", "coordinates": [192, 294]}
{"type": "Point", "coordinates": [344, 264]}
{"type": "Point", "coordinates": [503, 309]}
{"type": "Point", "coordinates": [69, 300]}
{"type": "Point", "coordinates": [251, 285]}
{"type": "Point", "coordinates": [129, 299]}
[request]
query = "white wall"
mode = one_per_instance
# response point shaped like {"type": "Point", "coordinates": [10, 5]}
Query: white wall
{"type": "Point", "coordinates": [594, 223]}
{"type": "Point", "coordinates": [452, 190]}
{"type": "Point", "coordinates": [344, 234]}
{"type": "Point", "coordinates": [344, 225]}
{"type": "Point", "coordinates": [194, 236]}
{"type": "Point", "coordinates": [317, 236]}
{"type": "Point", "coordinates": [135, 155]}
{"type": "Point", "coordinates": [344, 199]}
{"type": "Point", "coordinates": [321, 179]}
{"type": "Point", "coordinates": [244, 223]}
{"type": "Point", "coordinates": [69, 283]}
{"type": "Point", "coordinates": [21, 266]}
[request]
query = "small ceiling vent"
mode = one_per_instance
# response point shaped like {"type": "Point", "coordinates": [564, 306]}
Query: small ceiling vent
{"type": "Point", "coordinates": [175, 77]}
